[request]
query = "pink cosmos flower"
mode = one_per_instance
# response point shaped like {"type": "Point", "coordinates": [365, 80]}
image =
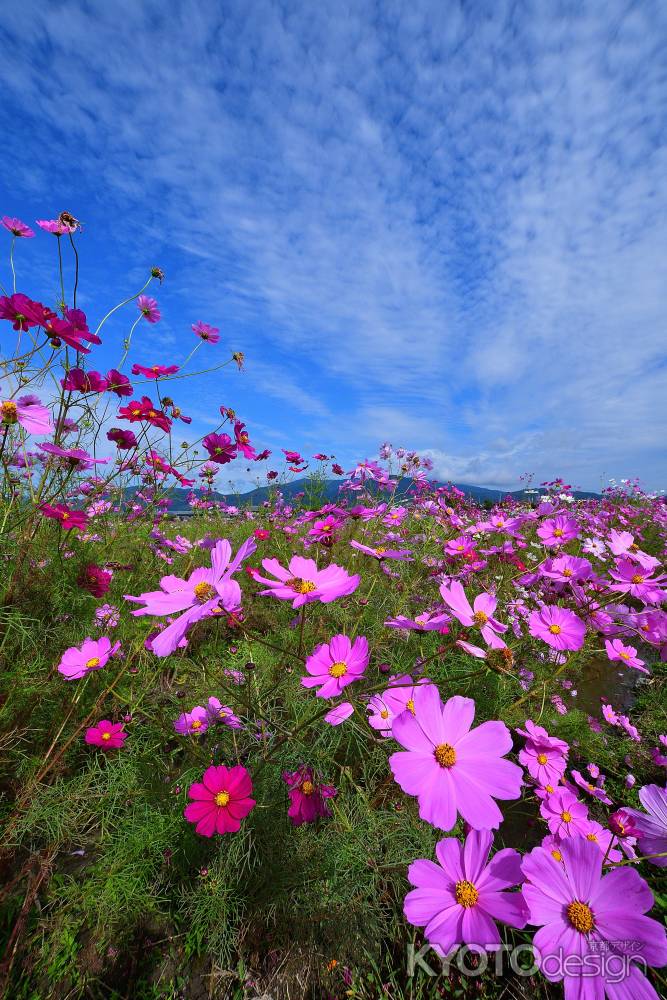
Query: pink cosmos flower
{"type": "Point", "coordinates": [28, 412]}
{"type": "Point", "coordinates": [16, 227]}
{"type": "Point", "coordinates": [566, 816]}
{"type": "Point", "coordinates": [567, 569]}
{"type": "Point", "coordinates": [459, 900]}
{"type": "Point", "coordinates": [206, 332]}
{"type": "Point", "coordinates": [449, 766]}
{"type": "Point", "coordinates": [461, 546]}
{"type": "Point", "coordinates": [195, 722]}
{"type": "Point", "coordinates": [308, 797]}
{"type": "Point", "coordinates": [637, 582]}
{"type": "Point", "coordinates": [480, 615]}
{"type": "Point", "coordinates": [93, 654]}
{"type": "Point", "coordinates": [76, 458]}
{"type": "Point", "coordinates": [650, 827]}
{"type": "Point", "coordinates": [558, 530]}
{"type": "Point", "coordinates": [242, 439]}
{"type": "Point", "coordinates": [69, 518]}
{"type": "Point", "coordinates": [55, 226]}
{"type": "Point", "coordinates": [303, 582]}
{"type": "Point", "coordinates": [221, 800]}
{"type": "Point", "coordinates": [596, 791]}
{"type": "Point", "coordinates": [118, 383]}
{"type": "Point", "coordinates": [427, 621]}
{"type": "Point", "coordinates": [22, 312]}
{"type": "Point", "coordinates": [155, 371]}
{"type": "Point", "coordinates": [381, 552]}
{"type": "Point", "coordinates": [148, 308]}
{"type": "Point", "coordinates": [106, 735]}
{"type": "Point", "coordinates": [545, 761]}
{"type": "Point", "coordinates": [123, 439]}
{"type": "Point", "coordinates": [78, 380]}
{"type": "Point", "coordinates": [558, 627]}
{"type": "Point", "coordinates": [339, 713]}
{"type": "Point", "coordinates": [220, 447]}
{"type": "Point", "coordinates": [202, 594]}
{"type": "Point", "coordinates": [222, 713]}
{"type": "Point", "coordinates": [334, 665]}
{"type": "Point", "coordinates": [592, 925]}
{"type": "Point", "coordinates": [398, 697]}
{"type": "Point", "coordinates": [625, 654]}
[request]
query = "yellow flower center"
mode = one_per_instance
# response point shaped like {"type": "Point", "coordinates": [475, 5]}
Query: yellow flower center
{"type": "Point", "coordinates": [9, 412]}
{"type": "Point", "coordinates": [410, 705]}
{"type": "Point", "coordinates": [380, 551]}
{"type": "Point", "coordinates": [222, 713]}
{"type": "Point", "coordinates": [637, 578]}
{"type": "Point", "coordinates": [205, 592]}
{"type": "Point", "coordinates": [542, 758]}
{"type": "Point", "coordinates": [558, 532]}
{"type": "Point", "coordinates": [196, 724]}
{"type": "Point", "coordinates": [567, 572]}
{"type": "Point", "coordinates": [480, 618]}
{"type": "Point", "coordinates": [307, 787]}
{"type": "Point", "coordinates": [624, 656]}
{"type": "Point", "coordinates": [566, 816]}
{"type": "Point", "coordinates": [106, 736]}
{"type": "Point", "coordinates": [93, 662]}
{"type": "Point", "coordinates": [592, 836]}
{"type": "Point", "coordinates": [466, 894]}
{"type": "Point", "coordinates": [300, 586]}
{"type": "Point", "coordinates": [65, 516]}
{"type": "Point", "coordinates": [549, 788]}
{"type": "Point", "coordinates": [384, 714]}
{"type": "Point", "coordinates": [556, 855]}
{"type": "Point", "coordinates": [338, 669]}
{"type": "Point", "coordinates": [445, 755]}
{"type": "Point", "coordinates": [222, 798]}
{"type": "Point", "coordinates": [555, 629]}
{"type": "Point", "coordinates": [581, 917]}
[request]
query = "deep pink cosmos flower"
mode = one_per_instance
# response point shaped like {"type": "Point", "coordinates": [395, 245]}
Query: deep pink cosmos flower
{"type": "Point", "coordinates": [558, 530]}
{"type": "Point", "coordinates": [93, 654]}
{"type": "Point", "coordinates": [204, 593]}
{"type": "Point", "coordinates": [220, 713]}
{"type": "Point", "coordinates": [95, 580]}
{"type": "Point", "coordinates": [449, 766]}
{"type": "Point", "coordinates": [592, 925]}
{"type": "Point", "coordinates": [123, 439]}
{"type": "Point", "coordinates": [78, 380]}
{"type": "Point", "coordinates": [308, 797]}
{"type": "Point", "coordinates": [69, 518]}
{"type": "Point", "coordinates": [220, 447]}
{"type": "Point", "coordinates": [566, 816]}
{"type": "Point", "coordinates": [148, 308]}
{"type": "Point", "coordinates": [303, 582]}
{"type": "Point", "coordinates": [28, 412]}
{"type": "Point", "coordinates": [16, 227]}
{"type": "Point", "coordinates": [334, 665]}
{"type": "Point", "coordinates": [118, 383]}
{"type": "Point", "coordinates": [144, 410]}
{"type": "Point", "coordinates": [21, 310]}
{"type": "Point", "coordinates": [624, 654]}
{"type": "Point", "coordinates": [242, 439]}
{"type": "Point", "coordinates": [560, 628]}
{"type": "Point", "coordinates": [480, 615]}
{"type": "Point", "coordinates": [154, 371]}
{"type": "Point", "coordinates": [206, 332]}
{"type": "Point", "coordinates": [76, 458]}
{"type": "Point", "coordinates": [106, 735]}
{"type": "Point", "coordinates": [57, 227]}
{"type": "Point", "coordinates": [459, 900]}
{"type": "Point", "coordinates": [221, 800]}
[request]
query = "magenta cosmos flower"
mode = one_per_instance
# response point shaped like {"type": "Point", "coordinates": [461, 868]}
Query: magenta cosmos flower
{"type": "Point", "coordinates": [381, 552]}
{"type": "Point", "coordinates": [220, 447]}
{"type": "Point", "coordinates": [591, 925]}
{"type": "Point", "coordinates": [303, 582]}
{"type": "Point", "coordinates": [28, 412]}
{"type": "Point", "coordinates": [624, 654]}
{"type": "Point", "coordinates": [206, 332]}
{"type": "Point", "coordinates": [398, 697]}
{"type": "Point", "coordinates": [194, 723]}
{"type": "Point", "coordinates": [204, 593]}
{"type": "Point", "coordinates": [69, 518]}
{"type": "Point", "coordinates": [449, 766]}
{"type": "Point", "coordinates": [221, 800]}
{"type": "Point", "coordinates": [148, 308]}
{"type": "Point", "coordinates": [545, 756]}
{"type": "Point", "coordinates": [558, 627]}
{"type": "Point", "coordinates": [222, 713]}
{"type": "Point", "coordinates": [106, 735]}
{"type": "Point", "coordinates": [93, 654]}
{"type": "Point", "coordinates": [480, 615]}
{"type": "Point", "coordinates": [16, 227]}
{"type": "Point", "coordinates": [308, 797]}
{"type": "Point", "coordinates": [558, 530]}
{"type": "Point", "coordinates": [334, 665]}
{"type": "Point", "coordinates": [459, 900]}
{"type": "Point", "coordinates": [154, 371]}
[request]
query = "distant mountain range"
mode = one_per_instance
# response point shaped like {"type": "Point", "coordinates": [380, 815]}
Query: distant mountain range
{"type": "Point", "coordinates": [329, 491]}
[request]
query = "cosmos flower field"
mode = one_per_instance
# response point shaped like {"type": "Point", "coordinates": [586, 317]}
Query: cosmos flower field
{"type": "Point", "coordinates": [394, 744]}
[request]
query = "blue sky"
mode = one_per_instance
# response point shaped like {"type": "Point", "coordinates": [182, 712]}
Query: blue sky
{"type": "Point", "coordinates": [435, 223]}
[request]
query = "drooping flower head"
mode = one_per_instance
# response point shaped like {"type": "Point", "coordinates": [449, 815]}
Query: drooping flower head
{"type": "Point", "coordinates": [220, 800]}
{"type": "Point", "coordinates": [308, 796]}
{"type": "Point", "coordinates": [148, 308]}
{"type": "Point", "coordinates": [450, 767]}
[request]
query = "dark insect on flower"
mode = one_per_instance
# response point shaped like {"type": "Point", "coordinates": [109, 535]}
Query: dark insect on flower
{"type": "Point", "coordinates": [67, 219]}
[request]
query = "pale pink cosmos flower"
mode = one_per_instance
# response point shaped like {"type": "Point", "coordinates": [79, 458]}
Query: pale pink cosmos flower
{"type": "Point", "coordinates": [93, 654]}
{"type": "Point", "coordinates": [480, 615]}
{"type": "Point", "coordinates": [16, 227]}
{"type": "Point", "coordinates": [148, 308]}
{"type": "Point", "coordinates": [28, 412]}
{"type": "Point", "coordinates": [303, 582]}
{"type": "Point", "coordinates": [203, 593]}
{"type": "Point", "coordinates": [206, 332]}
{"type": "Point", "coordinates": [450, 767]}
{"type": "Point", "coordinates": [399, 696]}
